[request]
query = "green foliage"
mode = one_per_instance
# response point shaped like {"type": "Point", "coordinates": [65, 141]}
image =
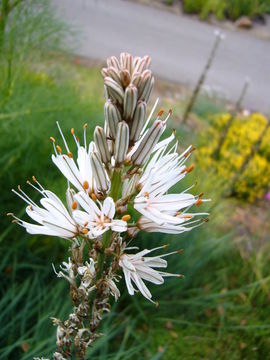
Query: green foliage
{"type": "Point", "coordinates": [231, 9]}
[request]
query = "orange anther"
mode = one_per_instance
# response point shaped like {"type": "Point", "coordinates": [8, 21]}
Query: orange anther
{"type": "Point", "coordinates": [190, 168]}
{"type": "Point", "coordinates": [161, 111]}
{"type": "Point", "coordinates": [126, 217]}
{"type": "Point", "coordinates": [74, 205]}
{"type": "Point", "coordinates": [187, 216]}
{"type": "Point", "coordinates": [34, 178]}
{"type": "Point", "coordinates": [146, 194]}
{"type": "Point", "coordinates": [59, 148]}
{"type": "Point", "coordinates": [52, 139]}
{"type": "Point", "coordinates": [93, 196]}
{"type": "Point", "coordinates": [31, 207]}
{"type": "Point", "coordinates": [85, 224]}
{"type": "Point", "coordinates": [69, 154]}
{"type": "Point", "coordinates": [85, 231]}
{"type": "Point", "coordinates": [199, 202]}
{"type": "Point", "coordinates": [85, 185]}
{"type": "Point", "coordinates": [85, 126]}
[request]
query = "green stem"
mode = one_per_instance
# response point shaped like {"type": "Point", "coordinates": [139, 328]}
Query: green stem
{"type": "Point", "coordinates": [114, 193]}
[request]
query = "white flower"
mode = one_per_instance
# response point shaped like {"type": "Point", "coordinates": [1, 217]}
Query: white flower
{"type": "Point", "coordinates": [80, 175]}
{"type": "Point", "coordinates": [87, 273]}
{"type": "Point", "coordinates": [52, 218]}
{"type": "Point", "coordinates": [137, 268]}
{"type": "Point", "coordinates": [97, 217]}
{"type": "Point", "coordinates": [164, 170]}
{"type": "Point", "coordinates": [66, 272]}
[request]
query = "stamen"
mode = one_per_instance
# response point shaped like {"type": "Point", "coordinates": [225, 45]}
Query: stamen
{"type": "Point", "coordinates": [189, 151]}
{"type": "Point", "coordinates": [69, 154]}
{"type": "Point", "coordinates": [74, 205]}
{"type": "Point", "coordinates": [146, 194]}
{"type": "Point", "coordinates": [52, 139]}
{"type": "Point", "coordinates": [85, 231]}
{"type": "Point", "coordinates": [85, 224]}
{"type": "Point", "coordinates": [85, 185]}
{"type": "Point", "coordinates": [161, 111]}
{"type": "Point", "coordinates": [64, 140]}
{"type": "Point", "coordinates": [126, 217]}
{"type": "Point", "coordinates": [84, 134]}
{"type": "Point", "coordinates": [93, 196]}
{"type": "Point", "coordinates": [199, 202]}
{"type": "Point", "coordinates": [187, 216]}
{"type": "Point", "coordinates": [188, 169]}
{"type": "Point", "coordinates": [59, 149]}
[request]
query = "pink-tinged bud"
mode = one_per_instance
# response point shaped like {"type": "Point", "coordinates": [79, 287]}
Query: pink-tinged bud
{"type": "Point", "coordinates": [114, 89]}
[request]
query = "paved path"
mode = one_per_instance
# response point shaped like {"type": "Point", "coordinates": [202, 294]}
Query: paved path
{"type": "Point", "coordinates": [179, 46]}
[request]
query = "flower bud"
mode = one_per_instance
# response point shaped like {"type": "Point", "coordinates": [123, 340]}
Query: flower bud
{"type": "Point", "coordinates": [125, 78]}
{"type": "Point", "coordinates": [145, 84]}
{"type": "Point", "coordinates": [114, 89]}
{"type": "Point", "coordinates": [114, 74]}
{"type": "Point", "coordinates": [112, 117]}
{"type": "Point", "coordinates": [126, 61]}
{"type": "Point", "coordinates": [101, 144]}
{"type": "Point", "coordinates": [121, 143]}
{"type": "Point", "coordinates": [149, 91]}
{"type": "Point", "coordinates": [99, 173]}
{"type": "Point", "coordinates": [113, 61]}
{"type": "Point", "coordinates": [148, 143]}
{"type": "Point", "coordinates": [136, 79]}
{"type": "Point", "coordinates": [138, 121]}
{"type": "Point", "coordinates": [130, 101]}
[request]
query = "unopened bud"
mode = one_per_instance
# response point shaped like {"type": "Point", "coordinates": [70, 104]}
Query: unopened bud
{"type": "Point", "coordinates": [114, 89]}
{"type": "Point", "coordinates": [125, 78]}
{"type": "Point", "coordinates": [99, 173]}
{"type": "Point", "coordinates": [112, 117]}
{"type": "Point", "coordinates": [113, 61]}
{"type": "Point", "coordinates": [126, 61]}
{"type": "Point", "coordinates": [138, 121]}
{"type": "Point", "coordinates": [130, 101]}
{"type": "Point", "coordinates": [148, 142]}
{"type": "Point", "coordinates": [114, 74]}
{"type": "Point", "coordinates": [121, 143]}
{"type": "Point", "coordinates": [101, 144]}
{"type": "Point", "coordinates": [145, 85]}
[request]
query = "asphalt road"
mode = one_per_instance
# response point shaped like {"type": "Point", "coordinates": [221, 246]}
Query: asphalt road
{"type": "Point", "coordinates": [179, 45]}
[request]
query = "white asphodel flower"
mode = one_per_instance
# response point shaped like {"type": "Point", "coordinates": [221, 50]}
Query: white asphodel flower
{"type": "Point", "coordinates": [162, 211]}
{"type": "Point", "coordinates": [138, 268]}
{"type": "Point", "coordinates": [97, 217]}
{"type": "Point", "coordinates": [80, 175]}
{"type": "Point", "coordinates": [87, 273]}
{"type": "Point", "coordinates": [52, 218]}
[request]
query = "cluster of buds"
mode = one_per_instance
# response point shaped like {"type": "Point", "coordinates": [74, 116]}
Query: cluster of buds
{"type": "Point", "coordinates": [125, 167]}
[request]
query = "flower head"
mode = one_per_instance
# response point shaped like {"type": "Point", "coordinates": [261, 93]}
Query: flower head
{"type": "Point", "coordinates": [97, 217]}
{"type": "Point", "coordinates": [52, 218]}
{"type": "Point", "coordinates": [138, 268]}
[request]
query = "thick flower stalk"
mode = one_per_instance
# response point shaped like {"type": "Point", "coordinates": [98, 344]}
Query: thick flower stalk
{"type": "Point", "coordinates": [126, 166]}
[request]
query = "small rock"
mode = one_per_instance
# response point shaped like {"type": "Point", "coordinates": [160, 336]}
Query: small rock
{"type": "Point", "coordinates": [244, 22]}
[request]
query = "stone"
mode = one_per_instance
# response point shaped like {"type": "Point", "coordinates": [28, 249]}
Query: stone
{"type": "Point", "coordinates": [244, 22]}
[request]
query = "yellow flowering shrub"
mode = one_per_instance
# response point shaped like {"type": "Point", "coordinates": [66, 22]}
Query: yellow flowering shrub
{"type": "Point", "coordinates": [242, 135]}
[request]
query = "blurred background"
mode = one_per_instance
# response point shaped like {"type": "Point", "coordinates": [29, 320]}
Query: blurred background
{"type": "Point", "coordinates": [51, 53]}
